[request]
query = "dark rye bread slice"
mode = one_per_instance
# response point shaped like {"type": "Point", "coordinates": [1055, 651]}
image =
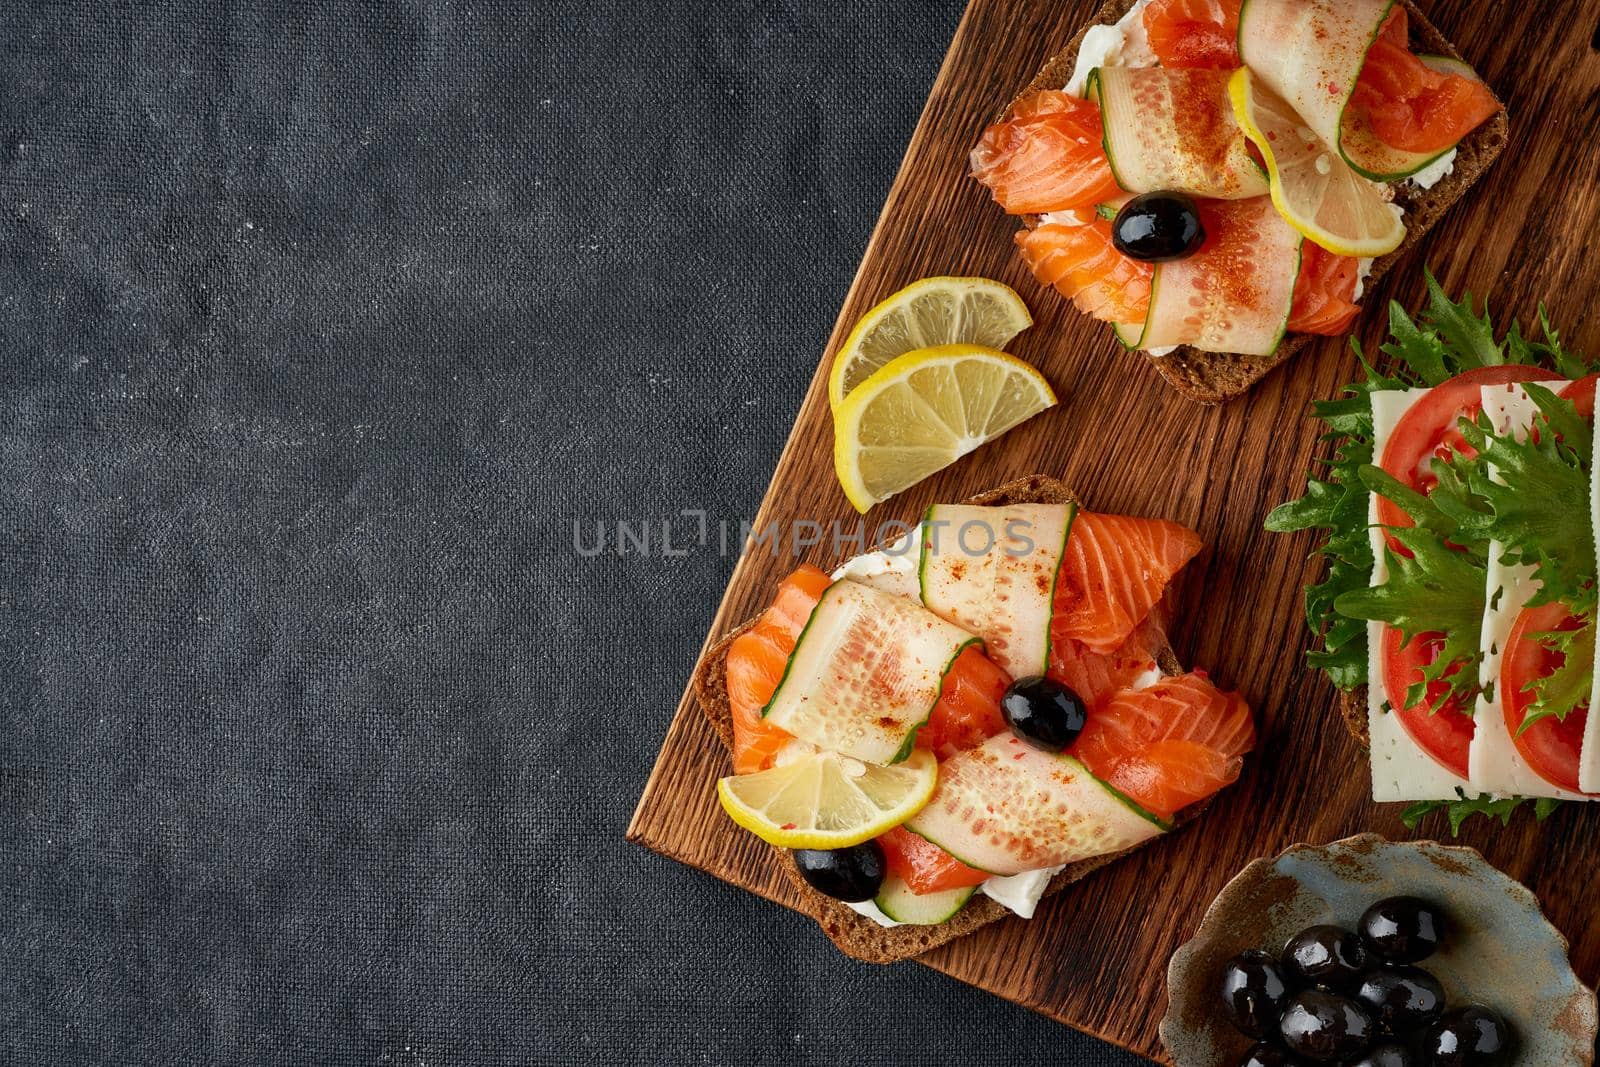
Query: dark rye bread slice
{"type": "Point", "coordinates": [1353, 709]}
{"type": "Point", "coordinates": [1211, 378]}
{"type": "Point", "coordinates": [861, 937]}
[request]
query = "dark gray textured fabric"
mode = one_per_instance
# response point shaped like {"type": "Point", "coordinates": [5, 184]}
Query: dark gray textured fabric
{"type": "Point", "coordinates": [321, 323]}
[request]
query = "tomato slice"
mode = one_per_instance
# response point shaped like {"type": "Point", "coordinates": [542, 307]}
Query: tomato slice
{"type": "Point", "coordinates": [1551, 746]}
{"type": "Point", "coordinates": [1444, 734]}
{"type": "Point", "coordinates": [1428, 429]}
{"type": "Point", "coordinates": [923, 865]}
{"type": "Point", "coordinates": [1581, 393]}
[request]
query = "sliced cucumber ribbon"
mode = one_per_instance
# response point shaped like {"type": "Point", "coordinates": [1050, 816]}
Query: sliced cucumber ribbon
{"type": "Point", "coordinates": [1235, 294]}
{"type": "Point", "coordinates": [1172, 130]}
{"type": "Point", "coordinates": [1006, 807]}
{"type": "Point", "coordinates": [992, 571]}
{"type": "Point", "coordinates": [1310, 52]}
{"type": "Point", "coordinates": [833, 691]}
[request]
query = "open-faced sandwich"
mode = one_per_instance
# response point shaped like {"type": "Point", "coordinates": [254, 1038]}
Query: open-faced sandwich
{"type": "Point", "coordinates": [1458, 613]}
{"type": "Point", "coordinates": [941, 732]}
{"type": "Point", "coordinates": [1218, 179]}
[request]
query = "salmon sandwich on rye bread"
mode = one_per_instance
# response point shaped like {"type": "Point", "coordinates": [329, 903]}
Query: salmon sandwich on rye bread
{"type": "Point", "coordinates": [942, 732]}
{"type": "Point", "coordinates": [1219, 180]}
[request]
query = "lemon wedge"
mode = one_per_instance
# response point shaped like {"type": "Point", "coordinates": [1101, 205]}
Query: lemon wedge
{"type": "Point", "coordinates": [924, 410]}
{"type": "Point", "coordinates": [934, 311]}
{"type": "Point", "coordinates": [827, 800]}
{"type": "Point", "coordinates": [1313, 188]}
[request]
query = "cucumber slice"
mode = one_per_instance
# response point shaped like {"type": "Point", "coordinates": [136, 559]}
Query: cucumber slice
{"type": "Point", "coordinates": [865, 673]}
{"type": "Point", "coordinates": [1129, 334]}
{"type": "Point", "coordinates": [1133, 805]}
{"type": "Point", "coordinates": [1091, 93]}
{"type": "Point", "coordinates": [896, 900]}
{"type": "Point", "coordinates": [1006, 807]}
{"type": "Point", "coordinates": [1132, 334]}
{"type": "Point", "coordinates": [1109, 209]}
{"type": "Point", "coordinates": [1172, 129]}
{"type": "Point", "coordinates": [1311, 54]}
{"type": "Point", "coordinates": [1450, 65]}
{"type": "Point", "coordinates": [992, 571]}
{"type": "Point", "coordinates": [1294, 278]}
{"type": "Point", "coordinates": [1250, 250]}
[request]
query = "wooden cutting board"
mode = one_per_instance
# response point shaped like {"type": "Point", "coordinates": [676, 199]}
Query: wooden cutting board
{"type": "Point", "coordinates": [1095, 957]}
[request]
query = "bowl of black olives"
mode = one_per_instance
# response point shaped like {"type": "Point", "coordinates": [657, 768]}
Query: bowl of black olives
{"type": "Point", "coordinates": [1371, 953]}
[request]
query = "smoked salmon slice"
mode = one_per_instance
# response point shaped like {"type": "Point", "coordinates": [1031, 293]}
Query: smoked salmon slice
{"type": "Point", "coordinates": [1168, 745]}
{"type": "Point", "coordinates": [1046, 157]}
{"type": "Point", "coordinates": [923, 865]}
{"type": "Point", "coordinates": [1324, 293]}
{"type": "Point", "coordinates": [1167, 776]}
{"type": "Point", "coordinates": [1410, 105]}
{"type": "Point", "coordinates": [1116, 569]}
{"type": "Point", "coordinates": [1083, 266]}
{"type": "Point", "coordinates": [756, 661]}
{"type": "Point", "coordinates": [968, 711]}
{"type": "Point", "coordinates": [1187, 707]}
{"type": "Point", "coordinates": [1095, 676]}
{"type": "Point", "coordinates": [1194, 33]}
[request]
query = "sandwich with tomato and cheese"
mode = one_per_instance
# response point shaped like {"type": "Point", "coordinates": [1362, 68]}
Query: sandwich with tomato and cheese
{"type": "Point", "coordinates": [1459, 609]}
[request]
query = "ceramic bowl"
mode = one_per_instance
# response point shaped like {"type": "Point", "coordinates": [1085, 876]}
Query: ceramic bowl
{"type": "Point", "coordinates": [1503, 952]}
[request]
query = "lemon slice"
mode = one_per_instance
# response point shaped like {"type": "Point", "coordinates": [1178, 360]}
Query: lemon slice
{"type": "Point", "coordinates": [1313, 188]}
{"type": "Point", "coordinates": [926, 409]}
{"type": "Point", "coordinates": [934, 311]}
{"type": "Point", "coordinates": [827, 800]}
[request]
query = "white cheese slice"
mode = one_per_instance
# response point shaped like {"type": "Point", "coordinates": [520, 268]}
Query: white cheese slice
{"type": "Point", "coordinates": [1401, 770]}
{"type": "Point", "coordinates": [1589, 759]}
{"type": "Point", "coordinates": [1494, 764]}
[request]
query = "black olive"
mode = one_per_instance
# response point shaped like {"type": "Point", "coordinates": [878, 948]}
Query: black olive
{"type": "Point", "coordinates": [1403, 929]}
{"type": "Point", "coordinates": [1262, 1054]}
{"type": "Point", "coordinates": [854, 874]}
{"type": "Point", "coordinates": [1328, 956]}
{"type": "Point", "coordinates": [1387, 1055]}
{"type": "Point", "coordinates": [1473, 1036]}
{"type": "Point", "coordinates": [1325, 1026]}
{"type": "Point", "coordinates": [1404, 999]}
{"type": "Point", "coordinates": [1156, 227]}
{"type": "Point", "coordinates": [1253, 992]}
{"type": "Point", "coordinates": [1044, 713]}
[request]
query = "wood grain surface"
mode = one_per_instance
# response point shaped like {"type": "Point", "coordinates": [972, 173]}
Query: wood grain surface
{"type": "Point", "coordinates": [1095, 957]}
